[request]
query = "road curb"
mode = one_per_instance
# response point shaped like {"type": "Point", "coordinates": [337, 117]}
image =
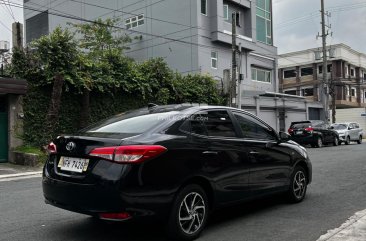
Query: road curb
{"type": "Point", "coordinates": [23, 174]}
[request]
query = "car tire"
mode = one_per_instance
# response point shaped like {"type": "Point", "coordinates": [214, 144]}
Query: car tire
{"type": "Point", "coordinates": [298, 185]}
{"type": "Point", "coordinates": [359, 140]}
{"type": "Point", "coordinates": [189, 214]}
{"type": "Point", "coordinates": [348, 140]}
{"type": "Point", "coordinates": [336, 141]}
{"type": "Point", "coordinates": [319, 142]}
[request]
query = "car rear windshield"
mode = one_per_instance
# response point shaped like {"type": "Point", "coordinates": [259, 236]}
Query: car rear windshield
{"type": "Point", "coordinates": [339, 126]}
{"type": "Point", "coordinates": [301, 125]}
{"type": "Point", "coordinates": [131, 123]}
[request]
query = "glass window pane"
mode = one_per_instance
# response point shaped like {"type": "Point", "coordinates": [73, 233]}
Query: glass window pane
{"type": "Point", "coordinates": [133, 19]}
{"type": "Point", "coordinates": [134, 24]}
{"type": "Point", "coordinates": [261, 29]}
{"type": "Point", "coordinates": [141, 22]}
{"type": "Point", "coordinates": [128, 20]}
{"type": "Point", "coordinates": [203, 7]}
{"type": "Point", "coordinates": [260, 12]}
{"type": "Point", "coordinates": [214, 63]}
{"type": "Point", "coordinates": [254, 74]}
{"type": "Point", "coordinates": [140, 16]}
{"type": "Point", "coordinates": [269, 28]}
{"type": "Point", "coordinates": [213, 54]}
{"type": "Point", "coordinates": [261, 4]}
{"type": "Point", "coordinates": [261, 75]}
{"type": "Point", "coordinates": [254, 129]}
{"type": "Point", "coordinates": [218, 123]}
{"type": "Point", "coordinates": [226, 12]}
{"type": "Point", "coordinates": [268, 5]}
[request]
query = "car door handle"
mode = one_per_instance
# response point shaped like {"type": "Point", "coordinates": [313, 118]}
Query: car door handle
{"type": "Point", "coordinates": [210, 152]}
{"type": "Point", "coordinates": [253, 153]}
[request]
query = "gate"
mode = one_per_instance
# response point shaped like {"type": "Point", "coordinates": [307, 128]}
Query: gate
{"type": "Point", "coordinates": [3, 137]}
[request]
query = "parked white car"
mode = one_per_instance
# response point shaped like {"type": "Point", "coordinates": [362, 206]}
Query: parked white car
{"type": "Point", "coordinates": [349, 131]}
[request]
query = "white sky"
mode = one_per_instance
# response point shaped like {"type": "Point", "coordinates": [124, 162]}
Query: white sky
{"type": "Point", "coordinates": [296, 23]}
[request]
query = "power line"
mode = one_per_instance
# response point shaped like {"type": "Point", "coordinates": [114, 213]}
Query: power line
{"type": "Point", "coordinates": [8, 9]}
{"type": "Point", "coordinates": [5, 26]}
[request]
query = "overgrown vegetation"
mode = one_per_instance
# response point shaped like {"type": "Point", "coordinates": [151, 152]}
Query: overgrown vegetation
{"type": "Point", "coordinates": [75, 83]}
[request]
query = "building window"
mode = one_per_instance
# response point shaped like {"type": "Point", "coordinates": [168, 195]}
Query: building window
{"type": "Point", "coordinates": [291, 73]}
{"type": "Point", "coordinates": [329, 68]}
{"type": "Point", "coordinates": [214, 57]}
{"type": "Point", "coordinates": [226, 12]}
{"type": "Point", "coordinates": [237, 19]}
{"type": "Point", "coordinates": [353, 92]}
{"type": "Point", "coordinates": [204, 7]}
{"type": "Point", "coordinates": [353, 72]}
{"type": "Point", "coordinates": [261, 75]}
{"type": "Point", "coordinates": [135, 21]}
{"type": "Point", "coordinates": [264, 21]}
{"type": "Point", "coordinates": [290, 92]}
{"type": "Point", "coordinates": [307, 92]}
{"type": "Point", "coordinates": [307, 71]}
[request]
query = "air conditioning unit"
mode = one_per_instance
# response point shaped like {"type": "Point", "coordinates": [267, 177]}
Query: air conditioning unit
{"type": "Point", "coordinates": [318, 55]}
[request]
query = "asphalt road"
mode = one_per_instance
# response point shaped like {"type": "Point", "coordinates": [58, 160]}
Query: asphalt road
{"type": "Point", "coordinates": [337, 192]}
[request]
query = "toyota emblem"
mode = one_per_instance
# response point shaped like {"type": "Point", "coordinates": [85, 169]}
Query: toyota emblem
{"type": "Point", "coordinates": [70, 146]}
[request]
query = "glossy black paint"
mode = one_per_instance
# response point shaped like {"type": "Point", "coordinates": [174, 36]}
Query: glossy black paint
{"type": "Point", "coordinates": [320, 130]}
{"type": "Point", "coordinates": [229, 169]}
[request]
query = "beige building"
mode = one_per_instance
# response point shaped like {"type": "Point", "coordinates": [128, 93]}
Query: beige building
{"type": "Point", "coordinates": [300, 73]}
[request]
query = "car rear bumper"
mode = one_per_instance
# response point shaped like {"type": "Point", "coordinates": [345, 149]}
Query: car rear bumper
{"type": "Point", "coordinates": [304, 139]}
{"type": "Point", "coordinates": [105, 197]}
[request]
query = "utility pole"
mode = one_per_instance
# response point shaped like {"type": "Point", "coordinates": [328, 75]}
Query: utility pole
{"type": "Point", "coordinates": [233, 64]}
{"type": "Point", "coordinates": [324, 82]}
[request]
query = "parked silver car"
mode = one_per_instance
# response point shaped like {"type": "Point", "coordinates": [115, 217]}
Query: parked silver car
{"type": "Point", "coordinates": [349, 131]}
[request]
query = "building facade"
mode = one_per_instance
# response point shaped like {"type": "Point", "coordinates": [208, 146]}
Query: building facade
{"type": "Point", "coordinates": [192, 36]}
{"type": "Point", "coordinates": [300, 74]}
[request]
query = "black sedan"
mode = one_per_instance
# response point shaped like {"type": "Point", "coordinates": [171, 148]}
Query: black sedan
{"type": "Point", "coordinates": [176, 163]}
{"type": "Point", "coordinates": [313, 132]}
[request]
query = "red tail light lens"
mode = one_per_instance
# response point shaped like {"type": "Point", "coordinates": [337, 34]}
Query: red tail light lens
{"type": "Point", "coordinates": [128, 154]}
{"type": "Point", "coordinates": [290, 130]}
{"type": "Point", "coordinates": [309, 129]}
{"type": "Point", "coordinates": [51, 148]}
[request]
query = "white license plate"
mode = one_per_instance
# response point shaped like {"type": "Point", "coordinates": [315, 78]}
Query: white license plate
{"type": "Point", "coordinates": [73, 164]}
{"type": "Point", "coordinates": [298, 132]}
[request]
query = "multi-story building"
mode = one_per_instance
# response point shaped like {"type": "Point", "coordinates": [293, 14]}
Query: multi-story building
{"type": "Point", "coordinates": [193, 36]}
{"type": "Point", "coordinates": [300, 73]}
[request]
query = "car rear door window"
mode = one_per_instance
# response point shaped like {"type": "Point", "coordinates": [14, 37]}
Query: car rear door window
{"type": "Point", "coordinates": [253, 129]}
{"type": "Point", "coordinates": [214, 123]}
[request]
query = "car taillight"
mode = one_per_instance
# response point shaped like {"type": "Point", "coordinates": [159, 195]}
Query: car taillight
{"type": "Point", "coordinates": [290, 130]}
{"type": "Point", "coordinates": [51, 148]}
{"type": "Point", "coordinates": [309, 129]}
{"type": "Point", "coordinates": [128, 154]}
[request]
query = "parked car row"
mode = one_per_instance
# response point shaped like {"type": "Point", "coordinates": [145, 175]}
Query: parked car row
{"type": "Point", "coordinates": [317, 133]}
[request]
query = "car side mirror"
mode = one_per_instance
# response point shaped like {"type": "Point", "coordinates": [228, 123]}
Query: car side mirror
{"type": "Point", "coordinates": [284, 136]}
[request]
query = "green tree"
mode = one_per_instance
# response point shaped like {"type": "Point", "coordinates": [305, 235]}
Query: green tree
{"type": "Point", "coordinates": [102, 64]}
{"type": "Point", "coordinates": [57, 54]}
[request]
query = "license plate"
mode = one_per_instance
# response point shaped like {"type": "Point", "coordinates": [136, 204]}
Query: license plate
{"type": "Point", "coordinates": [298, 132]}
{"type": "Point", "coordinates": [73, 164]}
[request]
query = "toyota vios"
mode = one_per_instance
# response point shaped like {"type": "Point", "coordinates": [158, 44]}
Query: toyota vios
{"type": "Point", "coordinates": [176, 163]}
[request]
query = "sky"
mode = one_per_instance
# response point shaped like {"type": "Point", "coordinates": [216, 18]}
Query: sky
{"type": "Point", "coordinates": [296, 23]}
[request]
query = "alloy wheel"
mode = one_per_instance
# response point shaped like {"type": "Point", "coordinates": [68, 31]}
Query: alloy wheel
{"type": "Point", "coordinates": [336, 141]}
{"type": "Point", "coordinates": [299, 184]}
{"type": "Point", "coordinates": [192, 213]}
{"type": "Point", "coordinates": [319, 142]}
{"type": "Point", "coordinates": [348, 140]}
